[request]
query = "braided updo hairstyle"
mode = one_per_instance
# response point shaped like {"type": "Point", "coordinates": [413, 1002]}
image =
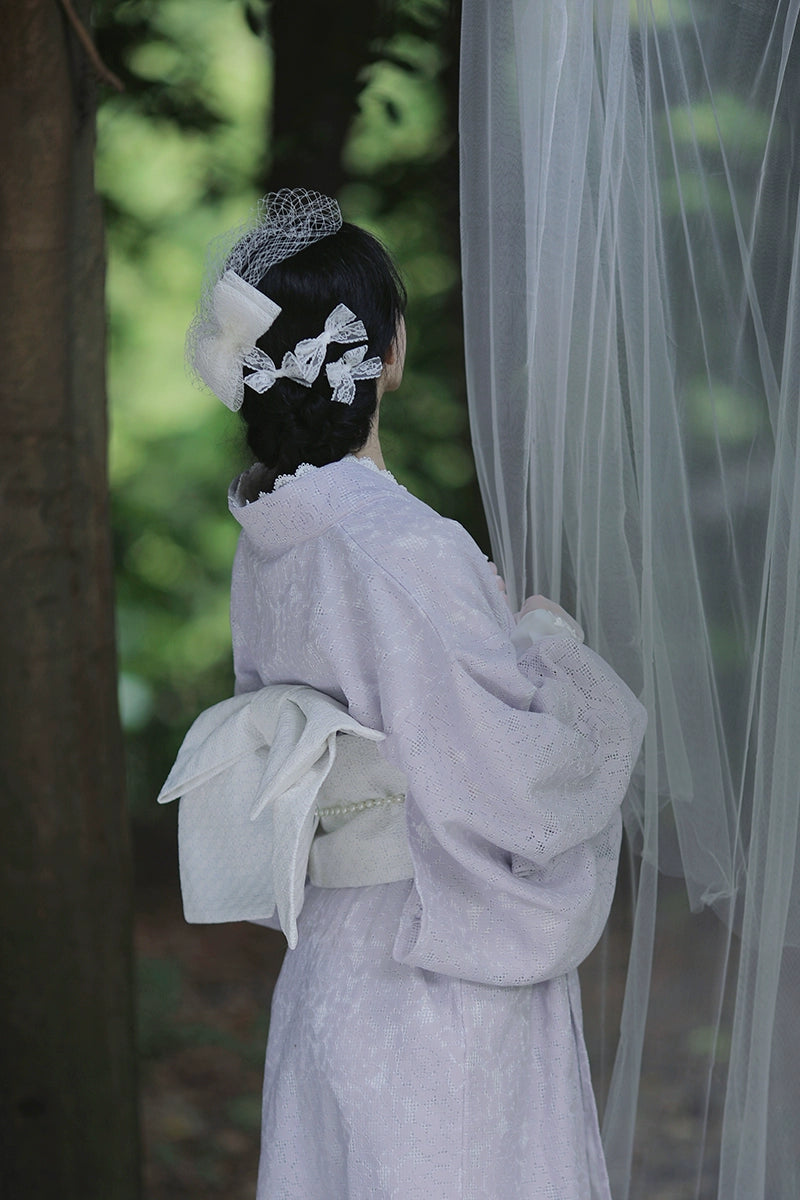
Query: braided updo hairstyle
{"type": "Point", "coordinates": [290, 424]}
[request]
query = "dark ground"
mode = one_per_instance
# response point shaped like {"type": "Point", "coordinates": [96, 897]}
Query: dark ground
{"type": "Point", "coordinates": [204, 1004]}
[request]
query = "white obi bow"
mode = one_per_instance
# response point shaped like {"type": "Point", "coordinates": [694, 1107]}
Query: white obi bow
{"type": "Point", "coordinates": [255, 772]}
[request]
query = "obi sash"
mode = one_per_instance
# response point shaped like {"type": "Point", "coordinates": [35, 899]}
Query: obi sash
{"type": "Point", "coordinates": [277, 786]}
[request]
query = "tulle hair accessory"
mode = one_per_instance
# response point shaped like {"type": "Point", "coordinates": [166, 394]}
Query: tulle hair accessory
{"type": "Point", "coordinates": [232, 313]}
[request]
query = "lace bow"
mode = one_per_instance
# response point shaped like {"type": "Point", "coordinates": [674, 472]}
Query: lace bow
{"type": "Point", "coordinates": [265, 372]}
{"type": "Point", "coordinates": [341, 326]}
{"type": "Point", "coordinates": [343, 373]}
{"type": "Point", "coordinates": [303, 364]}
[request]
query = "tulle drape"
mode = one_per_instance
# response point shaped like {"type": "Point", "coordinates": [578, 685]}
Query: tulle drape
{"type": "Point", "coordinates": [631, 270]}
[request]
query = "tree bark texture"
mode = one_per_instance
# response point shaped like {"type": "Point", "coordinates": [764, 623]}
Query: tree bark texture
{"type": "Point", "coordinates": [68, 1124]}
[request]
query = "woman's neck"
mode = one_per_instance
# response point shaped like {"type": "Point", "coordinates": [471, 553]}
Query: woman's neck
{"type": "Point", "coordinates": [372, 447]}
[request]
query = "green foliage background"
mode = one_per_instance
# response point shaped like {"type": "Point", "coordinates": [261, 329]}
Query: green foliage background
{"type": "Point", "coordinates": [182, 155]}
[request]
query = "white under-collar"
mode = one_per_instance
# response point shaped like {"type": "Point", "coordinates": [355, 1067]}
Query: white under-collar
{"type": "Point", "coordinates": [306, 468]}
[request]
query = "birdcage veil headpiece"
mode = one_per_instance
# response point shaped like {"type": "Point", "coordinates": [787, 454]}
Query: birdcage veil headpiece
{"type": "Point", "coordinates": [232, 314]}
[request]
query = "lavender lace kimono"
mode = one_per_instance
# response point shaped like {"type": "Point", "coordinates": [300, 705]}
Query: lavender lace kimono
{"type": "Point", "coordinates": [426, 1038]}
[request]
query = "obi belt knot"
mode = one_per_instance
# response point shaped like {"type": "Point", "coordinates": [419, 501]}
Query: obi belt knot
{"type": "Point", "coordinates": [276, 786]}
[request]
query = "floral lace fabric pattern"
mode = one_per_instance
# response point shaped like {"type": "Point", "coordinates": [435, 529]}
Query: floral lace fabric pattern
{"type": "Point", "coordinates": [426, 1036]}
{"type": "Point", "coordinates": [305, 468]}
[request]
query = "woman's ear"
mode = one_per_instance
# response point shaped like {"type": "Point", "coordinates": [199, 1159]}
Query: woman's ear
{"type": "Point", "coordinates": [394, 360]}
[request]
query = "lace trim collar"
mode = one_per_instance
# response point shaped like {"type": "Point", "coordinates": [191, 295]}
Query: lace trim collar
{"type": "Point", "coordinates": [307, 468]}
{"type": "Point", "coordinates": [321, 497]}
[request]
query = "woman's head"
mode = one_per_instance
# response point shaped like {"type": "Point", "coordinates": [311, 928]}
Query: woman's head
{"type": "Point", "coordinates": [291, 423]}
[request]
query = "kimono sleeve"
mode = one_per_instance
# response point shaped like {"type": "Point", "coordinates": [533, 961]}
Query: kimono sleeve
{"type": "Point", "coordinates": [516, 772]}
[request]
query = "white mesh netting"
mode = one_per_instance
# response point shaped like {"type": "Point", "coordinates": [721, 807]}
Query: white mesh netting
{"type": "Point", "coordinates": [231, 313]}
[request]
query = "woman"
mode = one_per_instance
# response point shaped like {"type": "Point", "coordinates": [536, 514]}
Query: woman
{"type": "Point", "coordinates": [426, 1035]}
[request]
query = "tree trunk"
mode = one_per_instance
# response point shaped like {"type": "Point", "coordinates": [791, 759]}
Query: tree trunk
{"type": "Point", "coordinates": [67, 1098]}
{"type": "Point", "coordinates": [319, 52]}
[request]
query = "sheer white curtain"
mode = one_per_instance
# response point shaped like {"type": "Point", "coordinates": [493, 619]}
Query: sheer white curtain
{"type": "Point", "coordinates": [631, 260]}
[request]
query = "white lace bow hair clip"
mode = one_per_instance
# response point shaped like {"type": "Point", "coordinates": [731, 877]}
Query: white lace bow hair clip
{"type": "Point", "coordinates": [233, 314]}
{"type": "Point", "coordinates": [303, 364]}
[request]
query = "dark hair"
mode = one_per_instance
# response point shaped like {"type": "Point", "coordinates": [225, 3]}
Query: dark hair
{"type": "Point", "coordinates": [290, 424]}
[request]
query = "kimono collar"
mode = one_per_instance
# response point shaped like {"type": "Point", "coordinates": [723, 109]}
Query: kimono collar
{"type": "Point", "coordinates": [306, 507]}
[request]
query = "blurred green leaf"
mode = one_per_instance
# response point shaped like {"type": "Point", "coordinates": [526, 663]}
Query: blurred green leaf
{"type": "Point", "coordinates": [660, 14]}
{"type": "Point", "coordinates": [730, 122]}
{"type": "Point", "coordinates": [715, 411]}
